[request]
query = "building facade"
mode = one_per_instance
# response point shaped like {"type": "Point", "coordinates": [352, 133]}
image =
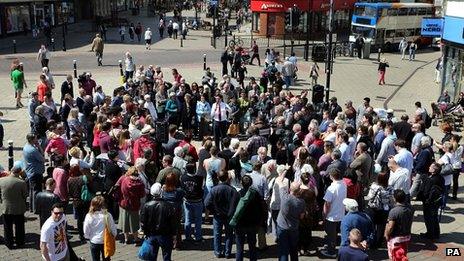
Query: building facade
{"type": "Point", "coordinates": [268, 16]}
{"type": "Point", "coordinates": [453, 48]}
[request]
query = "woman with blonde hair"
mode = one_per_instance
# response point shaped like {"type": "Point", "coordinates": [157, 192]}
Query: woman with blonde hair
{"type": "Point", "coordinates": [132, 190]}
{"type": "Point", "coordinates": [94, 225]}
{"type": "Point", "coordinates": [96, 133]}
{"type": "Point", "coordinates": [75, 126]}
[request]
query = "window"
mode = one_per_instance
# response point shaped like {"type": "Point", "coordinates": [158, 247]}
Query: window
{"type": "Point", "coordinates": [418, 31]}
{"type": "Point", "coordinates": [421, 11]}
{"type": "Point", "coordinates": [409, 32]}
{"type": "Point", "coordinates": [403, 11]}
{"type": "Point", "coordinates": [429, 11]}
{"type": "Point", "coordinates": [399, 33]}
{"type": "Point", "coordinates": [390, 34]}
{"type": "Point", "coordinates": [413, 11]}
{"type": "Point", "coordinates": [392, 12]}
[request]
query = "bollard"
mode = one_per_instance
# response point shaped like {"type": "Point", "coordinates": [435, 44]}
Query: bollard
{"type": "Point", "coordinates": [53, 44]}
{"type": "Point", "coordinates": [204, 62]}
{"type": "Point", "coordinates": [291, 48]}
{"type": "Point", "coordinates": [181, 42]}
{"type": "Point", "coordinates": [10, 155]}
{"type": "Point", "coordinates": [378, 55]}
{"type": "Point", "coordinates": [14, 46]}
{"type": "Point", "coordinates": [75, 68]}
{"type": "Point", "coordinates": [225, 40]}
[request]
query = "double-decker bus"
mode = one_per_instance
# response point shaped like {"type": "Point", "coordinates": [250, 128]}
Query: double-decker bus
{"type": "Point", "coordinates": [385, 24]}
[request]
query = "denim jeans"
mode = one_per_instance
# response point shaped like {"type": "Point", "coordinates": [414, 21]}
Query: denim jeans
{"type": "Point", "coordinates": [35, 186]}
{"type": "Point", "coordinates": [218, 226]}
{"type": "Point", "coordinates": [96, 250]}
{"type": "Point", "coordinates": [166, 244]}
{"type": "Point", "coordinates": [288, 81]}
{"type": "Point", "coordinates": [287, 241]}
{"type": "Point", "coordinates": [192, 213]}
{"type": "Point", "coordinates": [250, 235]}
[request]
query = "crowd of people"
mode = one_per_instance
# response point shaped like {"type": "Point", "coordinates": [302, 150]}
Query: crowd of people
{"type": "Point", "coordinates": [126, 163]}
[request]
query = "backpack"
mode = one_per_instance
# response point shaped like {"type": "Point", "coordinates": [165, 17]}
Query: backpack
{"type": "Point", "coordinates": [86, 195]}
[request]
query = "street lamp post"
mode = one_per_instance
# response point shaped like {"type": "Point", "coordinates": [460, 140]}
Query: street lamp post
{"type": "Point", "coordinates": [328, 65]}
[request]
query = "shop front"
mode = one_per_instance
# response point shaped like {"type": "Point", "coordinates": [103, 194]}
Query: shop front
{"type": "Point", "coordinates": [453, 54]}
{"type": "Point", "coordinates": [269, 17]}
{"type": "Point", "coordinates": [16, 18]}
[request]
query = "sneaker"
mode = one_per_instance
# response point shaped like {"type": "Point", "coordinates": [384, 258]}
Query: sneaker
{"type": "Point", "coordinates": [327, 254]}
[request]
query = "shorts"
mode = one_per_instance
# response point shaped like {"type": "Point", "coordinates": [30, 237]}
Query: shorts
{"type": "Point", "coordinates": [148, 41]}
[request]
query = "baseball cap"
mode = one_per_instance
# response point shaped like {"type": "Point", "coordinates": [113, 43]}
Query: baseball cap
{"type": "Point", "coordinates": [155, 190]}
{"type": "Point", "coordinates": [350, 204]}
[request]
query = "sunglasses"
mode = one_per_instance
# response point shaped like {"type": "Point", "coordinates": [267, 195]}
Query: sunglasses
{"type": "Point", "coordinates": [58, 213]}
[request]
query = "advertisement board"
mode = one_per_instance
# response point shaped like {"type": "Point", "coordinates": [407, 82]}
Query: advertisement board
{"type": "Point", "coordinates": [432, 27]}
{"type": "Point", "coordinates": [453, 29]}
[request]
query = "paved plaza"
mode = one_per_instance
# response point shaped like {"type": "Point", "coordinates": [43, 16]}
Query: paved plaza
{"type": "Point", "coordinates": [352, 79]}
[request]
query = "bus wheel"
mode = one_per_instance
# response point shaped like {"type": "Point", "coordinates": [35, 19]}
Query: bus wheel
{"type": "Point", "coordinates": [387, 47]}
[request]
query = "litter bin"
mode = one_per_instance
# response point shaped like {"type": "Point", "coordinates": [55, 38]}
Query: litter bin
{"type": "Point", "coordinates": [366, 50]}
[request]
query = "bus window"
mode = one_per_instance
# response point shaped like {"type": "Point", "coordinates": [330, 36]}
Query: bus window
{"type": "Point", "coordinates": [359, 10]}
{"type": "Point", "coordinates": [421, 11]}
{"type": "Point", "coordinates": [409, 32]}
{"type": "Point", "coordinates": [392, 12]}
{"type": "Point", "coordinates": [413, 11]}
{"type": "Point", "coordinates": [417, 31]}
{"type": "Point", "coordinates": [399, 33]}
{"type": "Point", "coordinates": [403, 11]}
{"type": "Point", "coordinates": [384, 12]}
{"type": "Point", "coordinates": [364, 31]}
{"type": "Point", "coordinates": [429, 11]}
{"type": "Point", "coordinates": [390, 34]}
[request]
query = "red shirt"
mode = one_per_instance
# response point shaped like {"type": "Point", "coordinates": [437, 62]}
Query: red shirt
{"type": "Point", "coordinates": [142, 143]}
{"type": "Point", "coordinates": [132, 190]}
{"type": "Point", "coordinates": [42, 88]}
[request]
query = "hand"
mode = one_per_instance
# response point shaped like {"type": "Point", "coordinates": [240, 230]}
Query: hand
{"type": "Point", "coordinates": [364, 244]}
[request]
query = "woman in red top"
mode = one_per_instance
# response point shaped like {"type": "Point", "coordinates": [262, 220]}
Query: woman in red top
{"type": "Point", "coordinates": [132, 190]}
{"type": "Point", "coordinates": [176, 75]}
{"type": "Point", "coordinates": [96, 134]}
{"type": "Point", "coordinates": [353, 188]}
{"type": "Point", "coordinates": [42, 88]}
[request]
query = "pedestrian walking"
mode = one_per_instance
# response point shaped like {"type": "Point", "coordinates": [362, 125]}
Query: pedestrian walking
{"type": "Point", "coordinates": [138, 31]}
{"type": "Point", "coordinates": [412, 51]}
{"type": "Point", "coordinates": [43, 56]}
{"type": "Point", "coordinates": [224, 61]}
{"type": "Point", "coordinates": [17, 77]}
{"type": "Point", "coordinates": [255, 50]}
{"type": "Point", "coordinates": [184, 29]}
{"type": "Point", "coordinates": [359, 43]}
{"type": "Point", "coordinates": [175, 29]}
{"type": "Point", "coordinates": [438, 70]}
{"type": "Point", "coordinates": [103, 31]}
{"type": "Point", "coordinates": [129, 66]}
{"type": "Point", "coordinates": [53, 238]}
{"type": "Point", "coordinates": [170, 28]}
{"type": "Point", "coordinates": [161, 27]}
{"type": "Point", "coordinates": [97, 47]}
{"type": "Point", "coordinates": [314, 73]}
{"type": "Point", "coordinates": [403, 46]}
{"type": "Point", "coordinates": [148, 35]}
{"type": "Point", "coordinates": [382, 69]}
{"type": "Point", "coordinates": [13, 205]}
{"type": "Point", "coordinates": [35, 166]}
{"type": "Point", "coordinates": [122, 32]}
{"type": "Point", "coordinates": [131, 32]}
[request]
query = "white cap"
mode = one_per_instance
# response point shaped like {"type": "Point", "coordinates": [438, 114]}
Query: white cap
{"type": "Point", "coordinates": [307, 169]}
{"type": "Point", "coordinates": [350, 204]}
{"type": "Point", "coordinates": [155, 190]}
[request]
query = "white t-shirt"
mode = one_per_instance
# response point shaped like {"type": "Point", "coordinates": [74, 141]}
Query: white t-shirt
{"type": "Point", "coordinates": [94, 226]}
{"type": "Point", "coordinates": [148, 35]}
{"type": "Point", "coordinates": [335, 195]}
{"type": "Point", "coordinates": [400, 180]}
{"type": "Point", "coordinates": [54, 235]}
{"type": "Point", "coordinates": [445, 159]}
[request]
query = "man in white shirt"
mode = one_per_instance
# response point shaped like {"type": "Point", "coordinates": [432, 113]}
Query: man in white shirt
{"type": "Point", "coordinates": [403, 156]}
{"type": "Point", "coordinates": [219, 112]}
{"type": "Point", "coordinates": [53, 241]}
{"type": "Point", "coordinates": [399, 178]}
{"type": "Point", "coordinates": [334, 211]}
{"type": "Point", "coordinates": [288, 69]}
{"type": "Point", "coordinates": [150, 107]}
{"type": "Point", "coordinates": [403, 46]}
{"type": "Point", "coordinates": [175, 29]}
{"type": "Point", "coordinates": [148, 35]}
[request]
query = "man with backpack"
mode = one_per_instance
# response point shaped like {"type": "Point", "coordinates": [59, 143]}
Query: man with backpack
{"type": "Point", "coordinates": [431, 194]}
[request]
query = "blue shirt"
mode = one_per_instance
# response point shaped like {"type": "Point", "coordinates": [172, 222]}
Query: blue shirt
{"type": "Point", "coordinates": [348, 253]}
{"type": "Point", "coordinates": [357, 220]}
{"type": "Point", "coordinates": [405, 159]}
{"type": "Point", "coordinates": [259, 183]}
{"type": "Point", "coordinates": [33, 160]}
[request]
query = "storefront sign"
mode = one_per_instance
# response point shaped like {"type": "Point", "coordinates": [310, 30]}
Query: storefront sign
{"type": "Point", "coordinates": [324, 5]}
{"type": "Point", "coordinates": [432, 27]}
{"type": "Point", "coordinates": [278, 6]}
{"type": "Point", "coordinates": [453, 29]}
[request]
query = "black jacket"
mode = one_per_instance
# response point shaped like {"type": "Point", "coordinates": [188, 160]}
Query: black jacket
{"type": "Point", "coordinates": [158, 217]}
{"type": "Point", "coordinates": [222, 200]}
{"type": "Point", "coordinates": [43, 204]}
{"type": "Point", "coordinates": [112, 174]}
{"type": "Point", "coordinates": [423, 160]}
{"type": "Point", "coordinates": [432, 189]}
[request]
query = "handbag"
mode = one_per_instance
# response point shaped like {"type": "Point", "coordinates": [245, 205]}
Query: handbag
{"type": "Point", "coordinates": [109, 241]}
{"type": "Point", "coordinates": [447, 169]}
{"type": "Point", "coordinates": [146, 251]}
{"type": "Point", "coordinates": [86, 195]}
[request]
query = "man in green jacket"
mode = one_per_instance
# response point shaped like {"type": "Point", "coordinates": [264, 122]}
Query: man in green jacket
{"type": "Point", "coordinates": [248, 216]}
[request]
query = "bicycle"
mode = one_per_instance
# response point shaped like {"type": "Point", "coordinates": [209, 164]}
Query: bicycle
{"type": "Point", "coordinates": [342, 49]}
{"type": "Point", "coordinates": [238, 42]}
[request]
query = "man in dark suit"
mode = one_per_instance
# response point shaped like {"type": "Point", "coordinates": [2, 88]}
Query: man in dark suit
{"type": "Point", "coordinates": [13, 194]}
{"type": "Point", "coordinates": [403, 130]}
{"type": "Point", "coordinates": [362, 164]}
{"type": "Point", "coordinates": [45, 200]}
{"type": "Point", "coordinates": [67, 87]}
